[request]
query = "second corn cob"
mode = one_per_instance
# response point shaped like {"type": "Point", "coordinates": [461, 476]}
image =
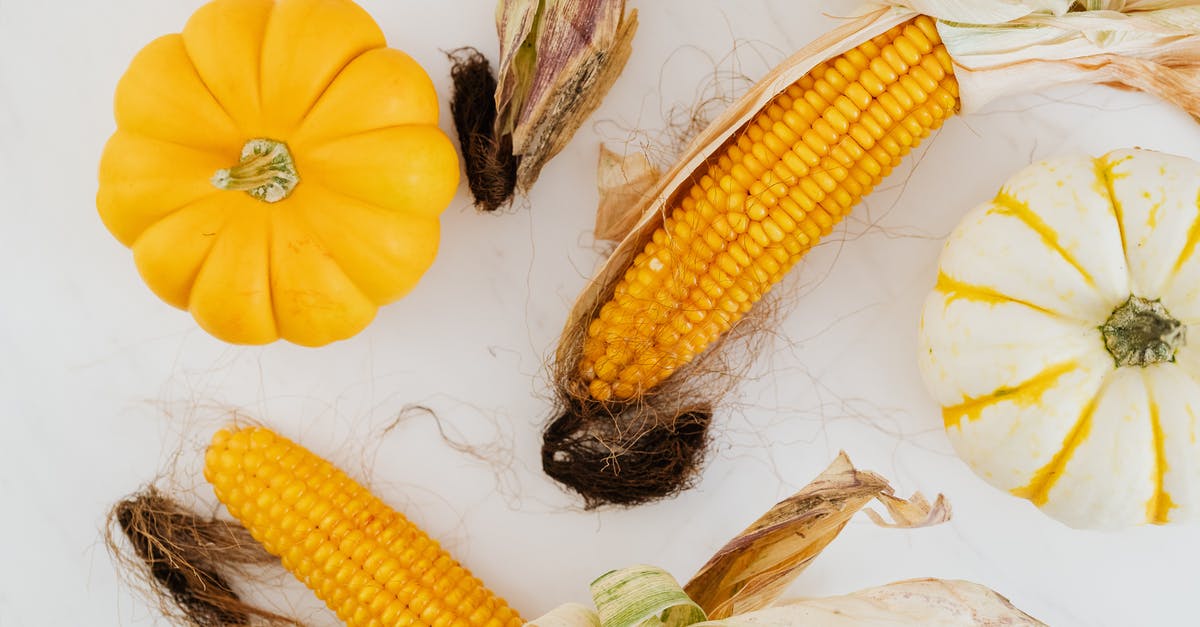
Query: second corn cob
{"type": "Point", "coordinates": [366, 561]}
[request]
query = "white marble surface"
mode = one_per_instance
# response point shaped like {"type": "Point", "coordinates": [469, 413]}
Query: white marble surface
{"type": "Point", "coordinates": [100, 382]}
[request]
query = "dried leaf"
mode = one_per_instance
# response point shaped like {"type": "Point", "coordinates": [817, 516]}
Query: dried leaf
{"type": "Point", "coordinates": [917, 602]}
{"type": "Point", "coordinates": [567, 615]}
{"type": "Point", "coordinates": [913, 513]}
{"type": "Point", "coordinates": [515, 20]}
{"type": "Point", "coordinates": [751, 571]}
{"type": "Point", "coordinates": [643, 595]}
{"type": "Point", "coordinates": [1147, 45]}
{"type": "Point", "coordinates": [558, 58]}
{"type": "Point", "coordinates": [975, 12]}
{"type": "Point", "coordinates": [623, 183]}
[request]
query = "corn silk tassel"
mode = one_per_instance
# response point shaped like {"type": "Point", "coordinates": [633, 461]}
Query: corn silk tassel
{"type": "Point", "coordinates": [366, 561]}
{"type": "Point", "coordinates": [744, 580]}
{"type": "Point", "coordinates": [638, 368]}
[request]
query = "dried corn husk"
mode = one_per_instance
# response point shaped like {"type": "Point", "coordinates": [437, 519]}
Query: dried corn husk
{"type": "Point", "coordinates": [753, 569]}
{"type": "Point", "coordinates": [622, 182]}
{"type": "Point", "coordinates": [557, 60]}
{"type": "Point", "coordinates": [1025, 46]}
{"type": "Point", "coordinates": [916, 602]}
{"type": "Point", "coordinates": [742, 582]}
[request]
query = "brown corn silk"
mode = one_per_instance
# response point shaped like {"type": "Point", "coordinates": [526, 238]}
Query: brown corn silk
{"type": "Point", "coordinates": [185, 562]}
{"type": "Point", "coordinates": [638, 369]}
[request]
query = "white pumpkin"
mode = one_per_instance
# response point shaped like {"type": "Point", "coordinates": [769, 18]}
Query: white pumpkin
{"type": "Point", "coordinates": [1057, 339]}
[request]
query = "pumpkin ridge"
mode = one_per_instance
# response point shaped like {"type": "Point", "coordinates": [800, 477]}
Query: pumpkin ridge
{"type": "Point", "coordinates": [312, 105]}
{"type": "Point", "coordinates": [208, 89]}
{"type": "Point", "coordinates": [1160, 504]}
{"type": "Point", "coordinates": [171, 212]}
{"type": "Point", "coordinates": [955, 289]}
{"type": "Point", "coordinates": [332, 189]}
{"type": "Point", "coordinates": [303, 146]}
{"type": "Point", "coordinates": [1045, 478]}
{"type": "Point", "coordinates": [1189, 247]}
{"type": "Point", "coordinates": [269, 233]}
{"type": "Point", "coordinates": [353, 54]}
{"type": "Point", "coordinates": [1012, 206]}
{"type": "Point", "coordinates": [1105, 177]}
{"type": "Point", "coordinates": [255, 65]}
{"type": "Point", "coordinates": [315, 234]}
{"type": "Point", "coordinates": [237, 226]}
{"type": "Point", "coordinates": [1026, 392]}
{"type": "Point", "coordinates": [191, 280]}
{"type": "Point", "coordinates": [205, 149]}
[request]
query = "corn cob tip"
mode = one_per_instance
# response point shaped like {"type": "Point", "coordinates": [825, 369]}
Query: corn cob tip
{"type": "Point", "coordinates": [625, 454]}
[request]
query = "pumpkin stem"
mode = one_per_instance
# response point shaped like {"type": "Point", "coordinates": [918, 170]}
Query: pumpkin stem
{"type": "Point", "coordinates": [1140, 332]}
{"type": "Point", "coordinates": [266, 172]}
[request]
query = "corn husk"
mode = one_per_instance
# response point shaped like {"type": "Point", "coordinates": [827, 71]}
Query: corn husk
{"type": "Point", "coordinates": [623, 182]}
{"type": "Point", "coordinates": [558, 58]}
{"type": "Point", "coordinates": [1025, 46]}
{"type": "Point", "coordinates": [917, 602]}
{"type": "Point", "coordinates": [742, 583]}
{"type": "Point", "coordinates": [753, 569]}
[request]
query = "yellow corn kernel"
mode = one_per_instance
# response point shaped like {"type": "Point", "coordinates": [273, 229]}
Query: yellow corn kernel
{"type": "Point", "coordinates": [365, 560]}
{"type": "Point", "coordinates": [764, 200]}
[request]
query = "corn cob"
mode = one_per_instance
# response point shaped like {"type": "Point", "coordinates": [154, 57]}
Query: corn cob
{"type": "Point", "coordinates": [763, 201]}
{"type": "Point", "coordinates": [366, 561]}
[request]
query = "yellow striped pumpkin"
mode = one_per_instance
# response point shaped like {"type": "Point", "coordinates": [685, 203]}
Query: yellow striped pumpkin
{"type": "Point", "coordinates": [1060, 338]}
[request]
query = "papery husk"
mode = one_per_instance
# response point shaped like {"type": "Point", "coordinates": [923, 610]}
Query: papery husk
{"type": "Point", "coordinates": [916, 602]}
{"type": "Point", "coordinates": [752, 570]}
{"type": "Point", "coordinates": [622, 181]}
{"type": "Point", "coordinates": [558, 58]}
{"type": "Point", "coordinates": [1025, 46]}
{"type": "Point", "coordinates": [742, 583]}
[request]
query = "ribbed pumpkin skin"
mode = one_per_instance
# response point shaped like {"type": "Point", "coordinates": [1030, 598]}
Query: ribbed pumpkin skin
{"type": "Point", "coordinates": [1011, 343]}
{"type": "Point", "coordinates": [359, 120]}
{"type": "Point", "coordinates": [763, 201]}
{"type": "Point", "coordinates": [365, 560]}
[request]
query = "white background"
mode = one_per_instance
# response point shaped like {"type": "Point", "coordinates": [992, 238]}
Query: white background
{"type": "Point", "coordinates": [100, 383]}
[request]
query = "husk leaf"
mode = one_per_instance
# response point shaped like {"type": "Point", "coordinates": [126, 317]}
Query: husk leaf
{"type": "Point", "coordinates": [916, 602]}
{"type": "Point", "coordinates": [741, 584]}
{"type": "Point", "coordinates": [1147, 45]}
{"type": "Point", "coordinates": [623, 182]}
{"type": "Point", "coordinates": [557, 60]}
{"type": "Point", "coordinates": [643, 595]}
{"type": "Point", "coordinates": [752, 570]}
{"type": "Point", "coordinates": [568, 615]}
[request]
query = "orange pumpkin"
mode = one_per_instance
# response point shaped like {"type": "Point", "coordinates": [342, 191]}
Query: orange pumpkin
{"type": "Point", "coordinates": [277, 170]}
